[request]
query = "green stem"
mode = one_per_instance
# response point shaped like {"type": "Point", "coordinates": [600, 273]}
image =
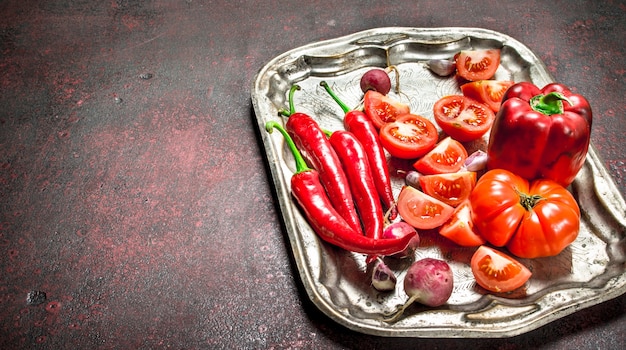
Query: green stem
{"type": "Point", "coordinates": [343, 106]}
{"type": "Point", "coordinates": [529, 202]}
{"type": "Point", "coordinates": [549, 104]}
{"type": "Point", "coordinates": [300, 162]}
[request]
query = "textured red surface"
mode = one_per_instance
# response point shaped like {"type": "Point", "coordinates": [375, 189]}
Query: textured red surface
{"type": "Point", "coordinates": [134, 191]}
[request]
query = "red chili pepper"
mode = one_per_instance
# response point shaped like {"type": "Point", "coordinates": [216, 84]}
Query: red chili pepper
{"type": "Point", "coordinates": [362, 127]}
{"type": "Point", "coordinates": [352, 155]}
{"type": "Point", "coordinates": [541, 133]}
{"type": "Point", "coordinates": [319, 153]}
{"type": "Point", "coordinates": [322, 216]}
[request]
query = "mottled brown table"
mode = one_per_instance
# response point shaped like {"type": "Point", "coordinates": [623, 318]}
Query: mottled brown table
{"type": "Point", "coordinates": [133, 188]}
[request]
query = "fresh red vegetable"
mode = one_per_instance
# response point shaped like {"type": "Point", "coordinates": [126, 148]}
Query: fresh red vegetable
{"type": "Point", "coordinates": [421, 210]}
{"type": "Point", "coordinates": [498, 272]}
{"type": "Point", "coordinates": [362, 127]}
{"type": "Point", "coordinates": [541, 133]}
{"type": "Point", "coordinates": [382, 109]}
{"type": "Point", "coordinates": [448, 156]}
{"type": "Point", "coordinates": [536, 219]}
{"type": "Point", "coordinates": [489, 92]}
{"type": "Point", "coordinates": [477, 64]}
{"type": "Point", "coordinates": [400, 229]}
{"type": "Point", "coordinates": [354, 159]}
{"type": "Point", "coordinates": [325, 221]}
{"type": "Point", "coordinates": [429, 282]}
{"type": "Point", "coordinates": [313, 142]}
{"type": "Point", "coordinates": [463, 118]}
{"type": "Point", "coordinates": [376, 79]}
{"type": "Point", "coordinates": [450, 188]}
{"type": "Point", "coordinates": [460, 227]}
{"type": "Point", "coordinates": [409, 136]}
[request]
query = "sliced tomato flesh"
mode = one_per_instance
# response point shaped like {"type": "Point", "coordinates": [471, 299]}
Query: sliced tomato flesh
{"type": "Point", "coordinates": [408, 137]}
{"type": "Point", "coordinates": [463, 118]}
{"type": "Point", "coordinates": [448, 156]}
{"type": "Point", "coordinates": [498, 272]}
{"type": "Point", "coordinates": [489, 92]}
{"type": "Point", "coordinates": [460, 228]}
{"type": "Point", "coordinates": [450, 188]}
{"type": "Point", "coordinates": [382, 109]}
{"type": "Point", "coordinates": [477, 64]}
{"type": "Point", "coordinates": [422, 211]}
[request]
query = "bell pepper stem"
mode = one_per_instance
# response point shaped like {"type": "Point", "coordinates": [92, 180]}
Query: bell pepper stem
{"type": "Point", "coordinates": [549, 104]}
{"type": "Point", "coordinates": [300, 162]}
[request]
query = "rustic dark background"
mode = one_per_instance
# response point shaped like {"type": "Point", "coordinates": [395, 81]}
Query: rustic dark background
{"type": "Point", "coordinates": [134, 191]}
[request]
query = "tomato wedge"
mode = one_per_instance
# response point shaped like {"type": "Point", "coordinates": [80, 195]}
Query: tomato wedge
{"type": "Point", "coordinates": [451, 188]}
{"type": "Point", "coordinates": [463, 118]}
{"type": "Point", "coordinates": [489, 92]}
{"type": "Point", "coordinates": [448, 156]}
{"type": "Point", "coordinates": [410, 136]}
{"type": "Point", "coordinates": [477, 64]}
{"type": "Point", "coordinates": [498, 272]}
{"type": "Point", "coordinates": [382, 109]}
{"type": "Point", "coordinates": [421, 210]}
{"type": "Point", "coordinates": [460, 228]}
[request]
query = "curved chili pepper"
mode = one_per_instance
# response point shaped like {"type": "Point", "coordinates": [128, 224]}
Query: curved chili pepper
{"type": "Point", "coordinates": [310, 194]}
{"type": "Point", "coordinates": [352, 155]}
{"type": "Point", "coordinates": [362, 127]}
{"type": "Point", "coordinates": [316, 148]}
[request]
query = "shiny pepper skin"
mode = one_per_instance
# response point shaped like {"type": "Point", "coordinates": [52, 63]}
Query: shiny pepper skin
{"type": "Point", "coordinates": [541, 133]}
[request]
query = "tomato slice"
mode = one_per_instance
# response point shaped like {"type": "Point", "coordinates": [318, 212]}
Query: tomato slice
{"type": "Point", "coordinates": [463, 118]}
{"type": "Point", "coordinates": [421, 210]}
{"type": "Point", "coordinates": [382, 109]}
{"type": "Point", "coordinates": [410, 136]}
{"type": "Point", "coordinates": [451, 188]}
{"type": "Point", "coordinates": [477, 64]}
{"type": "Point", "coordinates": [489, 92]}
{"type": "Point", "coordinates": [460, 228]}
{"type": "Point", "coordinates": [447, 157]}
{"type": "Point", "coordinates": [496, 271]}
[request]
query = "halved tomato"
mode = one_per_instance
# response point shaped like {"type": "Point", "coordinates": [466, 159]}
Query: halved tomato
{"type": "Point", "coordinates": [489, 92]}
{"type": "Point", "coordinates": [410, 136]}
{"type": "Point", "coordinates": [460, 228]}
{"type": "Point", "coordinates": [382, 109]}
{"type": "Point", "coordinates": [447, 157]}
{"type": "Point", "coordinates": [450, 188]}
{"type": "Point", "coordinates": [463, 118]}
{"type": "Point", "coordinates": [477, 64]}
{"type": "Point", "coordinates": [496, 271]}
{"type": "Point", "coordinates": [421, 210]}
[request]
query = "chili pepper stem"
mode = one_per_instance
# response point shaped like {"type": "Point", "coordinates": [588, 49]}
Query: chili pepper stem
{"type": "Point", "coordinates": [343, 106]}
{"type": "Point", "coordinates": [300, 162]}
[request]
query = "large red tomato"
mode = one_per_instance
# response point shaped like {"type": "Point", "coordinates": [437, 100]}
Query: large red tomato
{"type": "Point", "coordinates": [536, 219]}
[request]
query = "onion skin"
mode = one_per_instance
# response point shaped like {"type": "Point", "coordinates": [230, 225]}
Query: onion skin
{"type": "Point", "coordinates": [442, 68]}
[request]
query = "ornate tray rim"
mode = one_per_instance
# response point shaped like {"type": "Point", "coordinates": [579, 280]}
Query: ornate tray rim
{"type": "Point", "coordinates": [604, 192]}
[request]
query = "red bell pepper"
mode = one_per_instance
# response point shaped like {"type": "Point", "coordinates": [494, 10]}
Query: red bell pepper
{"type": "Point", "coordinates": [541, 133]}
{"type": "Point", "coordinates": [325, 221]}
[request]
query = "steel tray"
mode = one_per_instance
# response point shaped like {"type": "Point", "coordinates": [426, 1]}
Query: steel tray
{"type": "Point", "coordinates": [590, 271]}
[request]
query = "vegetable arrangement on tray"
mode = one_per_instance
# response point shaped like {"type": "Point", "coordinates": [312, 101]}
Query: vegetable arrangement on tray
{"type": "Point", "coordinates": [509, 201]}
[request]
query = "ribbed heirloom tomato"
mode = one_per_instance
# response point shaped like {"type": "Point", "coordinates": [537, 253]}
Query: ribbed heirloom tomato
{"type": "Point", "coordinates": [535, 219]}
